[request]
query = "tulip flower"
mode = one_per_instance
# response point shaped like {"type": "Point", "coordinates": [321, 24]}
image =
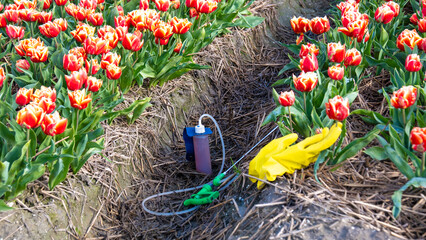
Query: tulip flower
{"type": "Point", "coordinates": [96, 19]}
{"type": "Point", "coordinates": [162, 41]}
{"type": "Point", "coordinates": [162, 30]}
{"type": "Point", "coordinates": [1, 7]}
{"type": "Point", "coordinates": [414, 19]}
{"type": "Point", "coordinates": [79, 99]}
{"type": "Point", "coordinates": [22, 64]}
{"type": "Point", "coordinates": [82, 32]}
{"type": "Point", "coordinates": [307, 49]}
{"type": "Point", "coordinates": [94, 66]}
{"type": "Point", "coordinates": [121, 21]}
{"type": "Point", "coordinates": [206, 6]}
{"type": "Point", "coordinates": [286, 99]}
{"type": "Point", "coordinates": [135, 17]}
{"type": "Point", "coordinates": [336, 52]}
{"type": "Point", "coordinates": [23, 97]}
{"type": "Point", "coordinates": [44, 92]}
{"type": "Point", "coordinates": [110, 58]}
{"type": "Point", "coordinates": [418, 140]}
{"type": "Point", "coordinates": [412, 63]}
{"type": "Point", "coordinates": [354, 28]}
{"type": "Point", "coordinates": [113, 72]}
{"type": "Point", "coordinates": [30, 116]}
{"type": "Point", "coordinates": [305, 82]}
{"type": "Point", "coordinates": [53, 124]}
{"type": "Point", "coordinates": [38, 54]}
{"type": "Point", "coordinates": [394, 7]}
{"type": "Point", "coordinates": [191, 3]}
{"type": "Point", "coordinates": [3, 22]}
{"type": "Point", "coordinates": [175, 4]}
{"type": "Point", "coordinates": [25, 46]}
{"type": "Point", "coordinates": [15, 32]}
{"type": "Point", "coordinates": [350, 16]}
{"type": "Point", "coordinates": [337, 108]}
{"type": "Point", "coordinates": [12, 15]}
{"type": "Point", "coordinates": [50, 29]}
{"type": "Point", "coordinates": [336, 72]}
{"type": "Point", "coordinates": [44, 17]}
{"type": "Point", "coordinates": [300, 25]}
{"type": "Point", "coordinates": [408, 37]}
{"type": "Point", "coordinates": [110, 35]}
{"type": "Point", "coordinates": [180, 26]}
{"type": "Point", "coordinates": [177, 48]}
{"type": "Point", "coordinates": [319, 25]}
{"type": "Point", "coordinates": [363, 37]}
{"type": "Point", "coordinates": [121, 32]}
{"type": "Point", "coordinates": [309, 63]}
{"type": "Point", "coordinates": [76, 80]}
{"type": "Point", "coordinates": [347, 6]}
{"type": "Point", "coordinates": [422, 25]}
{"type": "Point", "coordinates": [162, 5]}
{"type": "Point", "coordinates": [45, 103]}
{"type": "Point", "coordinates": [384, 14]}
{"type": "Point", "coordinates": [193, 13]}
{"type": "Point", "coordinates": [352, 57]}
{"type": "Point", "coordinates": [144, 4]}
{"type": "Point", "coordinates": [61, 2]}
{"type": "Point", "coordinates": [47, 4]}
{"type": "Point", "coordinates": [93, 84]}
{"type": "Point", "coordinates": [95, 46]}
{"type": "Point", "coordinates": [61, 23]}
{"type": "Point", "coordinates": [88, 4]}
{"type": "Point", "coordinates": [79, 52]}
{"type": "Point", "coordinates": [2, 76]}
{"type": "Point", "coordinates": [133, 41]}
{"type": "Point", "coordinates": [405, 97]}
{"type": "Point", "coordinates": [72, 62]}
{"type": "Point", "coordinates": [120, 10]}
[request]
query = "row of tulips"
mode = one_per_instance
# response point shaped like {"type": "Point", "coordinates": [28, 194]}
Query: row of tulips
{"type": "Point", "coordinates": [66, 64]}
{"type": "Point", "coordinates": [330, 75]}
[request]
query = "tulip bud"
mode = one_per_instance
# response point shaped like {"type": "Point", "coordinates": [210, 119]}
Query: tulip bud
{"type": "Point", "coordinates": [79, 99]}
{"type": "Point", "coordinates": [38, 54]}
{"type": "Point", "coordinates": [177, 48]}
{"type": "Point", "coordinates": [133, 41]}
{"type": "Point", "coordinates": [305, 82]}
{"type": "Point", "coordinates": [336, 72]}
{"type": "Point", "coordinates": [23, 97]}
{"type": "Point", "coordinates": [3, 22]}
{"type": "Point", "coordinates": [352, 57]}
{"type": "Point", "coordinates": [286, 99]}
{"type": "Point", "coordinates": [405, 97]}
{"type": "Point", "coordinates": [22, 64]}
{"type": "Point", "coordinates": [337, 108]}
{"type": "Point", "coordinates": [393, 6]}
{"type": "Point", "coordinates": [206, 6]}
{"type": "Point", "coordinates": [175, 4]}
{"type": "Point", "coordinates": [422, 25]}
{"type": "Point", "coordinates": [50, 29]}
{"type": "Point", "coordinates": [76, 80]}
{"type": "Point", "coordinates": [120, 10]}
{"type": "Point", "coordinates": [418, 139]}
{"type": "Point", "coordinates": [96, 19]}
{"type": "Point", "coordinates": [412, 63]}
{"type": "Point", "coordinates": [93, 84]}
{"type": "Point", "coordinates": [95, 46]}
{"type": "Point", "coordinates": [30, 116]}
{"type": "Point", "coordinates": [113, 72]}
{"type": "Point", "coordinates": [110, 58]}
{"type": "Point", "coordinates": [309, 63]}
{"type": "Point", "coordinates": [180, 26]}
{"type": "Point", "coordinates": [53, 124]}
{"type": "Point", "coordinates": [44, 17]}
{"type": "Point", "coordinates": [336, 52]}
{"type": "Point", "coordinates": [144, 4]}
{"type": "Point", "coordinates": [61, 23]}
{"type": "Point", "coordinates": [193, 13]}
{"type": "Point", "coordinates": [319, 25]}
{"type": "Point", "coordinates": [414, 19]}
{"type": "Point", "coordinates": [162, 5]}
{"type": "Point", "coordinates": [61, 2]}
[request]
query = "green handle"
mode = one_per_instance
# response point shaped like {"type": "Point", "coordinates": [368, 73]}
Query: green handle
{"type": "Point", "coordinates": [193, 201]}
{"type": "Point", "coordinates": [216, 180]}
{"type": "Point", "coordinates": [204, 196]}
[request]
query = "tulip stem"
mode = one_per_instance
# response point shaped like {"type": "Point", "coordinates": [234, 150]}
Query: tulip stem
{"type": "Point", "coordinates": [423, 163]}
{"type": "Point", "coordinates": [304, 101]}
{"type": "Point", "coordinates": [289, 118]}
{"type": "Point", "coordinates": [403, 117]}
{"type": "Point", "coordinates": [28, 139]}
{"type": "Point", "coordinates": [76, 125]}
{"type": "Point", "coordinates": [324, 38]}
{"type": "Point", "coordinates": [42, 80]}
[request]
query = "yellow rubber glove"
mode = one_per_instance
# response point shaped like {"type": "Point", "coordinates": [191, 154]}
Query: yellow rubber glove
{"type": "Point", "coordinates": [294, 157]}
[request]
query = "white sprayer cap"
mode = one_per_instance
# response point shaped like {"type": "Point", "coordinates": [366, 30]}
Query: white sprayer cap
{"type": "Point", "coordinates": [200, 129]}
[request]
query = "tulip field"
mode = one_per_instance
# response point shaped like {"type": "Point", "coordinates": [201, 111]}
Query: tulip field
{"type": "Point", "coordinates": [68, 69]}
